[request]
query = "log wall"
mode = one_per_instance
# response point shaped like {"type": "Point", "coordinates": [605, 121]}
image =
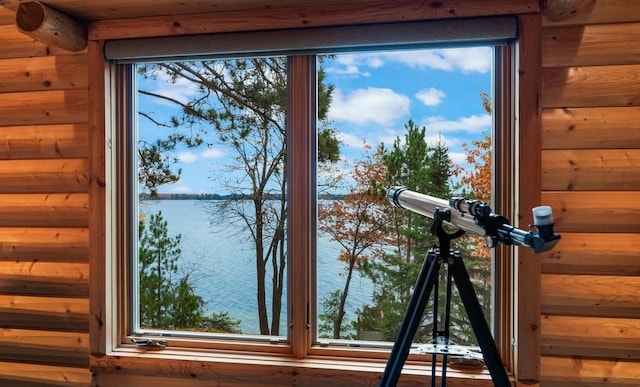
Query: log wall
{"type": "Point", "coordinates": [590, 107]}
{"type": "Point", "coordinates": [44, 269]}
{"type": "Point", "coordinates": [590, 103]}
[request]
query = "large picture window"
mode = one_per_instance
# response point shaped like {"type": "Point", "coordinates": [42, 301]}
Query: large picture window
{"type": "Point", "coordinates": [250, 199]}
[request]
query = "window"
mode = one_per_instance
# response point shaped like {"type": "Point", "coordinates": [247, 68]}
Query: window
{"type": "Point", "coordinates": [230, 178]}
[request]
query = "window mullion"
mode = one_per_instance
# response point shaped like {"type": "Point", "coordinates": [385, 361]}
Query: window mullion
{"type": "Point", "coordinates": [301, 158]}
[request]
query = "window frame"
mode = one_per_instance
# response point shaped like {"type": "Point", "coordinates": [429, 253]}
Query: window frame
{"type": "Point", "coordinates": [109, 301]}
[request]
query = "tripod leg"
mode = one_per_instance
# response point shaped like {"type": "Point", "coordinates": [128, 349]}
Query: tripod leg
{"type": "Point", "coordinates": [427, 279]}
{"type": "Point", "coordinates": [479, 323]}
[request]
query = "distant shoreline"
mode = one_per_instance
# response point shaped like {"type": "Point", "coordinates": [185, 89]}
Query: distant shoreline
{"type": "Point", "coordinates": [214, 196]}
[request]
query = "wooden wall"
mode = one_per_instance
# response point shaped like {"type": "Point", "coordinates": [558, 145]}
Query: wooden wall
{"type": "Point", "coordinates": [591, 176]}
{"type": "Point", "coordinates": [43, 213]}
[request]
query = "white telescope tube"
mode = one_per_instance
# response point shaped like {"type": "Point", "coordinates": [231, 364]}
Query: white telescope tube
{"type": "Point", "coordinates": [427, 205]}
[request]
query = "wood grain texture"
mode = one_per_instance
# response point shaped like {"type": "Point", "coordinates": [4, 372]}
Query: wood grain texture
{"type": "Point", "coordinates": [597, 212]}
{"type": "Point", "coordinates": [591, 336]}
{"type": "Point", "coordinates": [63, 72]}
{"type": "Point", "coordinates": [44, 244]}
{"type": "Point", "coordinates": [590, 295]}
{"type": "Point", "coordinates": [601, 12]}
{"type": "Point", "coordinates": [585, 45]}
{"type": "Point", "coordinates": [594, 253]}
{"type": "Point", "coordinates": [591, 86]}
{"type": "Point", "coordinates": [34, 176]}
{"type": "Point", "coordinates": [590, 128]}
{"type": "Point", "coordinates": [44, 141]}
{"type": "Point", "coordinates": [303, 16]}
{"type": "Point", "coordinates": [527, 281]}
{"type": "Point", "coordinates": [573, 372]}
{"type": "Point", "coordinates": [591, 170]}
{"type": "Point", "coordinates": [44, 210]}
{"type": "Point", "coordinates": [44, 107]}
{"type": "Point", "coordinates": [14, 44]}
{"type": "Point", "coordinates": [14, 373]}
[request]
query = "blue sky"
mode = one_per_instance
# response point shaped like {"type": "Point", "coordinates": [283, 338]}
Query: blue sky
{"type": "Point", "coordinates": [375, 95]}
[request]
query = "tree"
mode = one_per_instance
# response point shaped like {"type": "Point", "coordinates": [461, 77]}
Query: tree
{"type": "Point", "coordinates": [419, 167]}
{"type": "Point", "coordinates": [355, 222]}
{"type": "Point", "coordinates": [244, 102]}
{"type": "Point", "coordinates": [166, 300]}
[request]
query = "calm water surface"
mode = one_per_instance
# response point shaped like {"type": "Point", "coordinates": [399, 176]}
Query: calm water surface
{"type": "Point", "coordinates": [222, 263]}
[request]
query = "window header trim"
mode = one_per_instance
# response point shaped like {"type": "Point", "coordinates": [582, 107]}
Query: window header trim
{"type": "Point", "coordinates": [498, 30]}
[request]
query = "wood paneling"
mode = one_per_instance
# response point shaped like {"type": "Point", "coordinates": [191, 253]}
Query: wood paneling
{"type": "Point", "coordinates": [44, 107]}
{"type": "Point", "coordinates": [585, 45]}
{"type": "Point", "coordinates": [574, 372]}
{"type": "Point", "coordinates": [304, 16]}
{"type": "Point", "coordinates": [590, 295]}
{"type": "Point", "coordinates": [594, 253]}
{"type": "Point", "coordinates": [54, 175]}
{"type": "Point", "coordinates": [50, 73]}
{"type": "Point", "coordinates": [601, 12]}
{"type": "Point", "coordinates": [592, 86]}
{"type": "Point", "coordinates": [23, 374]}
{"type": "Point", "coordinates": [591, 336]}
{"type": "Point", "coordinates": [591, 128]}
{"type": "Point", "coordinates": [44, 210]}
{"type": "Point", "coordinates": [44, 141]}
{"type": "Point", "coordinates": [597, 212]}
{"type": "Point", "coordinates": [44, 244]}
{"type": "Point", "coordinates": [14, 44]}
{"type": "Point", "coordinates": [584, 170]}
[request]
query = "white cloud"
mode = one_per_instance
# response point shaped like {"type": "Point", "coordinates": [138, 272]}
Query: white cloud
{"type": "Point", "coordinates": [352, 140]}
{"type": "Point", "coordinates": [180, 90]}
{"type": "Point", "coordinates": [468, 60]}
{"type": "Point", "coordinates": [458, 158]}
{"type": "Point", "coordinates": [187, 157]}
{"type": "Point", "coordinates": [181, 189]}
{"type": "Point", "coordinates": [371, 105]}
{"type": "Point", "coordinates": [213, 153]}
{"type": "Point", "coordinates": [471, 124]}
{"type": "Point", "coordinates": [431, 96]}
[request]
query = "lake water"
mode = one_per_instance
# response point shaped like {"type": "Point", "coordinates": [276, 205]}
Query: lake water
{"type": "Point", "coordinates": [224, 266]}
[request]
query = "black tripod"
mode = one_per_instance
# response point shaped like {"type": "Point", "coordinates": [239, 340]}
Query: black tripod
{"type": "Point", "coordinates": [427, 281]}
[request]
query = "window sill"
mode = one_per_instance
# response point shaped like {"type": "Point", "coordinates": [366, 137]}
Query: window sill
{"type": "Point", "coordinates": [127, 365]}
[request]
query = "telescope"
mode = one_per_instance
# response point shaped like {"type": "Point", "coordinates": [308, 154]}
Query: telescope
{"type": "Point", "coordinates": [477, 217]}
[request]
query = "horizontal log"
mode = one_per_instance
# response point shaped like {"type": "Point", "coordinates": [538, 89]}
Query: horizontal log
{"type": "Point", "coordinates": [591, 170]}
{"type": "Point", "coordinates": [44, 244]}
{"type": "Point", "coordinates": [54, 175]}
{"type": "Point", "coordinates": [593, 337]}
{"type": "Point", "coordinates": [584, 45]}
{"type": "Point", "coordinates": [591, 327]}
{"type": "Point", "coordinates": [44, 107]}
{"type": "Point", "coordinates": [601, 12]}
{"type": "Point", "coordinates": [594, 253]}
{"type": "Point", "coordinates": [593, 296]}
{"type": "Point", "coordinates": [38, 354]}
{"type": "Point", "coordinates": [559, 371]}
{"type": "Point", "coordinates": [598, 212]}
{"type": "Point", "coordinates": [53, 305]}
{"type": "Point", "coordinates": [592, 86]}
{"type": "Point", "coordinates": [44, 141]}
{"type": "Point", "coordinates": [74, 341]}
{"type": "Point", "coordinates": [269, 18]}
{"type": "Point", "coordinates": [60, 270]}
{"type": "Point", "coordinates": [44, 73]}
{"type": "Point", "coordinates": [51, 26]}
{"type": "Point", "coordinates": [43, 375]}
{"type": "Point", "coordinates": [14, 44]}
{"type": "Point", "coordinates": [42, 286]}
{"type": "Point", "coordinates": [593, 348]}
{"type": "Point", "coordinates": [44, 210]}
{"type": "Point", "coordinates": [66, 322]}
{"type": "Point", "coordinates": [591, 128]}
